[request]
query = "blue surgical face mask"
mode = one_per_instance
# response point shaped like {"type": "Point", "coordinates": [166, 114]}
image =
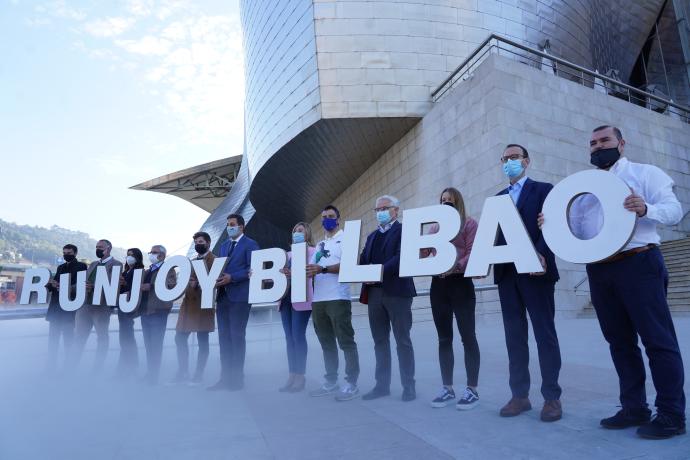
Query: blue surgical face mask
{"type": "Point", "coordinates": [329, 224]}
{"type": "Point", "coordinates": [233, 231]}
{"type": "Point", "coordinates": [383, 217]}
{"type": "Point", "coordinates": [298, 237]}
{"type": "Point", "coordinates": [513, 168]}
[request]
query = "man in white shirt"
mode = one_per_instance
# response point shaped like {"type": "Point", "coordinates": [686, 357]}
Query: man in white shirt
{"type": "Point", "coordinates": [332, 310]}
{"type": "Point", "coordinates": [628, 291]}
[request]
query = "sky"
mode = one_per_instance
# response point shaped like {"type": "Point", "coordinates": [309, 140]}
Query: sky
{"type": "Point", "coordinates": [97, 96]}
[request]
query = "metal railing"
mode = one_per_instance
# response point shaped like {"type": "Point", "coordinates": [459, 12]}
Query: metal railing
{"type": "Point", "coordinates": [24, 312]}
{"type": "Point", "coordinates": [495, 44]}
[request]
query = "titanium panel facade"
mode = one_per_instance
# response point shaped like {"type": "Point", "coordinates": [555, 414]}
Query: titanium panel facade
{"type": "Point", "coordinates": [324, 79]}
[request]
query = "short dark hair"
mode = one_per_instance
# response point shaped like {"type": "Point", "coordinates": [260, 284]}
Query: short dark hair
{"type": "Point", "coordinates": [330, 206]}
{"type": "Point", "coordinates": [616, 131]}
{"type": "Point", "coordinates": [525, 153]}
{"type": "Point", "coordinates": [203, 235]}
{"type": "Point", "coordinates": [72, 247]}
{"type": "Point", "coordinates": [239, 218]}
{"type": "Point", "coordinates": [107, 243]}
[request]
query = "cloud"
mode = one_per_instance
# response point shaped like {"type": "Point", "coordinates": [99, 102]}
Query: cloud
{"type": "Point", "coordinates": [108, 27]}
{"type": "Point", "coordinates": [60, 9]}
{"type": "Point", "coordinates": [190, 60]}
{"type": "Point", "coordinates": [146, 46]}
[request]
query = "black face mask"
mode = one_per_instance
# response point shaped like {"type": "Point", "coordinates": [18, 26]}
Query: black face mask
{"type": "Point", "coordinates": [68, 257]}
{"type": "Point", "coordinates": [200, 248]}
{"type": "Point", "coordinates": [605, 158]}
{"type": "Point", "coordinates": [99, 253]}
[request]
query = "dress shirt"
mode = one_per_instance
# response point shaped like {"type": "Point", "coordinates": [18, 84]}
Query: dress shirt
{"type": "Point", "coordinates": [652, 184]}
{"type": "Point", "coordinates": [515, 189]}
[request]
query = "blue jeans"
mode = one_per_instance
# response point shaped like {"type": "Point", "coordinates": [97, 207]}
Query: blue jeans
{"type": "Point", "coordinates": [153, 327]}
{"type": "Point", "coordinates": [295, 327]}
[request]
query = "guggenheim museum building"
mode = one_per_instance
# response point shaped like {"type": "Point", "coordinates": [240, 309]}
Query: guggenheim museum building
{"type": "Point", "coordinates": [347, 100]}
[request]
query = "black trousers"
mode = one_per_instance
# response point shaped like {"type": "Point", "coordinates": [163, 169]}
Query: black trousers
{"type": "Point", "coordinates": [629, 297]}
{"type": "Point", "coordinates": [129, 355]}
{"type": "Point", "coordinates": [519, 294]}
{"type": "Point", "coordinates": [232, 318]}
{"type": "Point", "coordinates": [386, 311]}
{"type": "Point", "coordinates": [455, 295]}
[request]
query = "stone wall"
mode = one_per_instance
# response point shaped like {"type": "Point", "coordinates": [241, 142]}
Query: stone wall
{"type": "Point", "coordinates": [459, 142]}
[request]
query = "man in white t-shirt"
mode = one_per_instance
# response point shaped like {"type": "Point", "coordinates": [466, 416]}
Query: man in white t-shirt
{"type": "Point", "coordinates": [332, 310]}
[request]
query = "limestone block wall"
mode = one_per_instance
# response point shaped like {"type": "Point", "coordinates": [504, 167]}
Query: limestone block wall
{"type": "Point", "coordinates": [459, 142]}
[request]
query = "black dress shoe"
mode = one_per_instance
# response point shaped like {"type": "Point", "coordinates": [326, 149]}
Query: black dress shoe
{"type": "Point", "coordinates": [625, 418]}
{"type": "Point", "coordinates": [409, 394]}
{"type": "Point", "coordinates": [663, 426]}
{"type": "Point", "coordinates": [375, 394]}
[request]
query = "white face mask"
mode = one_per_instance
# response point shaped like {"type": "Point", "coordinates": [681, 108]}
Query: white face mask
{"type": "Point", "coordinates": [153, 258]}
{"type": "Point", "coordinates": [131, 261]}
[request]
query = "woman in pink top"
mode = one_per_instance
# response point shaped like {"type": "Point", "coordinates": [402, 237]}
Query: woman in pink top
{"type": "Point", "coordinates": [295, 318]}
{"type": "Point", "coordinates": [452, 293]}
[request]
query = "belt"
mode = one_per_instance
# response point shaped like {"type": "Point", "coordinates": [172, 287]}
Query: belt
{"type": "Point", "coordinates": [625, 254]}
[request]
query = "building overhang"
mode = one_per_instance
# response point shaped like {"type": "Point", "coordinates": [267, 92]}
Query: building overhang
{"type": "Point", "coordinates": [205, 185]}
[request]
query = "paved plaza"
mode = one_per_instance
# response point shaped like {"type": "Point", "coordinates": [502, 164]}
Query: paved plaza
{"type": "Point", "coordinates": [98, 418]}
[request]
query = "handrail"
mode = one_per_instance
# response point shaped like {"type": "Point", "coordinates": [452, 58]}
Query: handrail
{"type": "Point", "coordinates": [556, 59]}
{"type": "Point", "coordinates": [580, 283]}
{"type": "Point", "coordinates": [24, 312]}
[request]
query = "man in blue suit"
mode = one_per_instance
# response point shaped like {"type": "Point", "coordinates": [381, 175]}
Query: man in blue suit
{"type": "Point", "coordinates": [533, 293]}
{"type": "Point", "coordinates": [390, 301]}
{"type": "Point", "coordinates": [232, 309]}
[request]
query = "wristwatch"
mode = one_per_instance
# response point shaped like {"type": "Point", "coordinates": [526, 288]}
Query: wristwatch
{"type": "Point", "coordinates": [324, 270]}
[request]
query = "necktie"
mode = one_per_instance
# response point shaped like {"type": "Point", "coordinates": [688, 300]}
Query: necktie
{"type": "Point", "coordinates": [232, 248]}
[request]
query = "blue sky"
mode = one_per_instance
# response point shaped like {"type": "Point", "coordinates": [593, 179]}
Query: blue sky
{"type": "Point", "coordinates": [98, 96]}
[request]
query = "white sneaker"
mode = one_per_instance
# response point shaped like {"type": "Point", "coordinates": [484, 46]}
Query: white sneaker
{"type": "Point", "coordinates": [347, 392]}
{"type": "Point", "coordinates": [469, 400]}
{"type": "Point", "coordinates": [326, 389]}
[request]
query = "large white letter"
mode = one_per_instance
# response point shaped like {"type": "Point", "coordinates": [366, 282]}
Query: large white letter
{"type": "Point", "coordinates": [39, 287]}
{"type": "Point", "coordinates": [257, 294]}
{"type": "Point", "coordinates": [449, 223]}
{"type": "Point", "coordinates": [162, 291]}
{"type": "Point", "coordinates": [128, 305]}
{"type": "Point", "coordinates": [65, 288]}
{"type": "Point", "coordinates": [106, 287]}
{"type": "Point", "coordinates": [298, 273]}
{"type": "Point", "coordinates": [500, 212]}
{"type": "Point", "coordinates": [207, 281]}
{"type": "Point", "coordinates": [619, 223]}
{"type": "Point", "coordinates": [350, 272]}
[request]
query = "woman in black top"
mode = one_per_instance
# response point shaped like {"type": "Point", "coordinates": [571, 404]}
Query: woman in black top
{"type": "Point", "coordinates": [129, 357]}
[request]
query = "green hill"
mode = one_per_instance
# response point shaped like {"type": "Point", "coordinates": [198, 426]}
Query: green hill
{"type": "Point", "coordinates": [24, 243]}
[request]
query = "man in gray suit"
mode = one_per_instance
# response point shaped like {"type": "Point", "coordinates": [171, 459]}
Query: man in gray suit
{"type": "Point", "coordinates": [95, 316]}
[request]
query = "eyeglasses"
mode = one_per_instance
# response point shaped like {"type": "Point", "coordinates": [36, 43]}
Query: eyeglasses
{"type": "Point", "coordinates": [515, 156]}
{"type": "Point", "coordinates": [383, 208]}
{"type": "Point", "coordinates": [156, 253]}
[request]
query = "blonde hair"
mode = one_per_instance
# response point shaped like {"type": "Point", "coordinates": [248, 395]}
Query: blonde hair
{"type": "Point", "coordinates": [459, 202]}
{"type": "Point", "coordinates": [307, 232]}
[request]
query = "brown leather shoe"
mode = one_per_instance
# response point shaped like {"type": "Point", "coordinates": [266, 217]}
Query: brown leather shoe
{"type": "Point", "coordinates": [516, 406]}
{"type": "Point", "coordinates": [552, 411]}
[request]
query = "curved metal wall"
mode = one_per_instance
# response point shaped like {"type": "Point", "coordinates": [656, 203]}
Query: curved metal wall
{"type": "Point", "coordinates": [313, 65]}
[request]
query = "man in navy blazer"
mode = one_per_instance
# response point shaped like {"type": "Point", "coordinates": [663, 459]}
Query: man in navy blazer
{"type": "Point", "coordinates": [390, 301]}
{"type": "Point", "coordinates": [232, 308]}
{"type": "Point", "coordinates": [530, 292]}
